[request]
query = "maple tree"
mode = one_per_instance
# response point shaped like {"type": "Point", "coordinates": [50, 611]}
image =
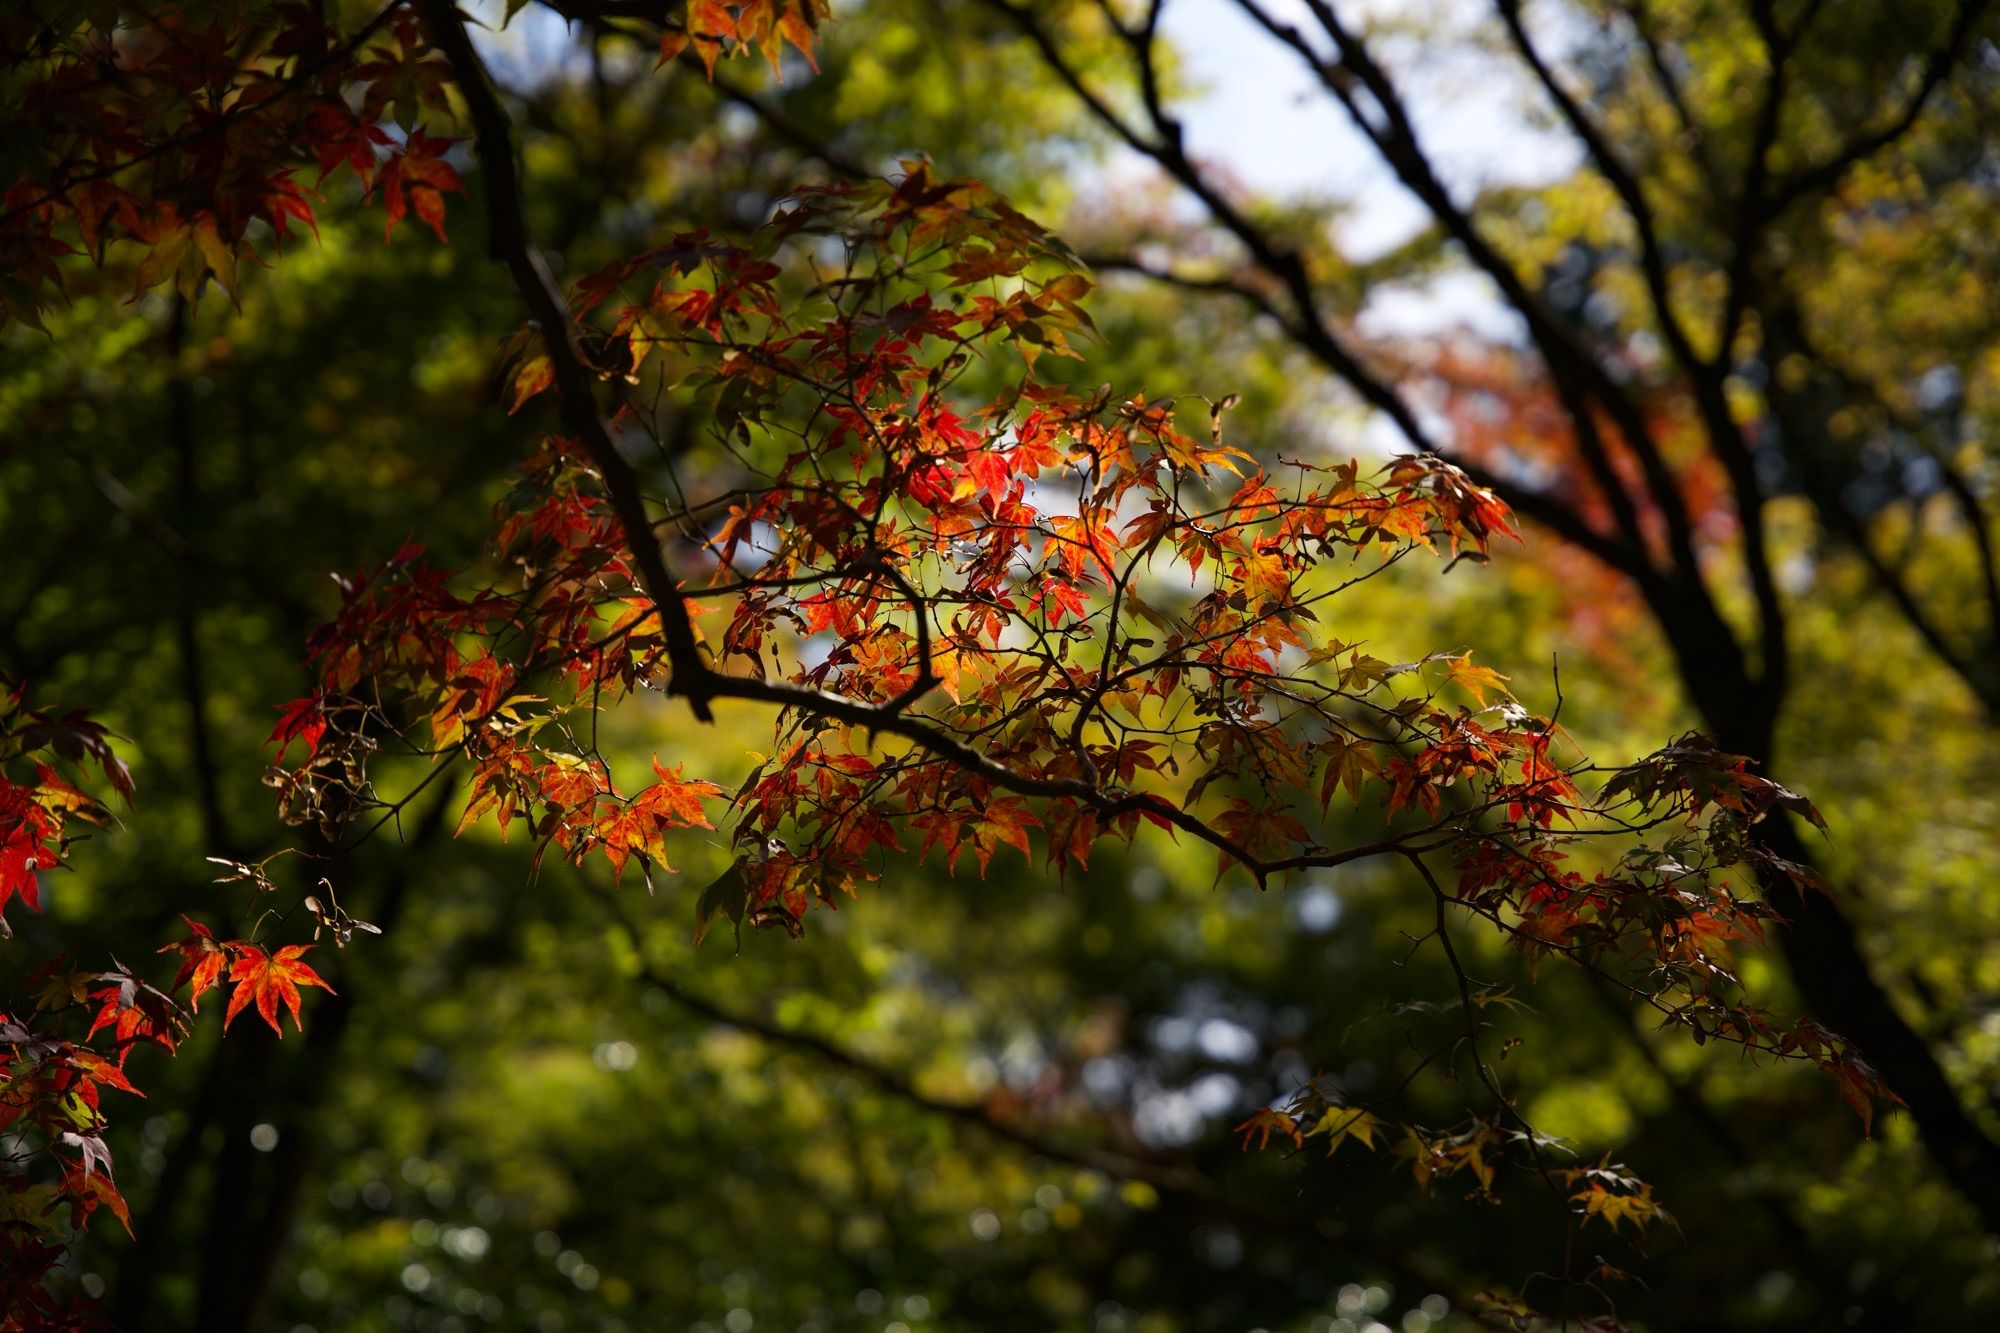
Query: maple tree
{"type": "Point", "coordinates": [990, 610]}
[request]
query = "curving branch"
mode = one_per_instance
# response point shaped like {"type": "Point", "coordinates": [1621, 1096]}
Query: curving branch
{"type": "Point", "coordinates": [1307, 325]}
{"type": "Point", "coordinates": [1677, 594]}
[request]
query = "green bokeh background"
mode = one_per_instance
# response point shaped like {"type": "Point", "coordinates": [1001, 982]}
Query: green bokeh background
{"type": "Point", "coordinates": [505, 1120]}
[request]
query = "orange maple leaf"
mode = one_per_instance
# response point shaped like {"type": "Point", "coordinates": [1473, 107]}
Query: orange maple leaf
{"type": "Point", "coordinates": [1474, 680]}
{"type": "Point", "coordinates": [640, 827]}
{"type": "Point", "coordinates": [202, 958]}
{"type": "Point", "coordinates": [269, 978]}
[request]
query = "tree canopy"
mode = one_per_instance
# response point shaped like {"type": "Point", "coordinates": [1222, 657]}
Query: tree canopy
{"type": "Point", "coordinates": [928, 716]}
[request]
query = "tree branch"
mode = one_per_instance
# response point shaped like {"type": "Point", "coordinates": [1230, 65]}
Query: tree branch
{"type": "Point", "coordinates": [1578, 375]}
{"type": "Point", "coordinates": [1309, 328]}
{"type": "Point", "coordinates": [576, 394]}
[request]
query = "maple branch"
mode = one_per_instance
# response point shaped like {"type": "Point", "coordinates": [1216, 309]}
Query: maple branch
{"type": "Point", "coordinates": [509, 241]}
{"type": "Point", "coordinates": [1505, 1104]}
{"type": "Point", "coordinates": [1441, 927]}
{"type": "Point", "coordinates": [1678, 596]}
{"type": "Point", "coordinates": [1107, 802]}
{"type": "Point", "coordinates": [1828, 1287]}
{"type": "Point", "coordinates": [1756, 210]}
{"type": "Point", "coordinates": [1579, 377]}
{"type": "Point", "coordinates": [1707, 374]}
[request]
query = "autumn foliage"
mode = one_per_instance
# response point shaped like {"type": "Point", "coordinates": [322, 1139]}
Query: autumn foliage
{"type": "Point", "coordinates": [992, 614]}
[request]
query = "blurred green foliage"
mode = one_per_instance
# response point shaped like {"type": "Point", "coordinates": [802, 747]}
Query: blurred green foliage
{"type": "Point", "coordinates": [957, 1103]}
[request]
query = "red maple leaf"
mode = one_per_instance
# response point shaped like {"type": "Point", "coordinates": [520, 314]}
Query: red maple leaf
{"type": "Point", "coordinates": [415, 180]}
{"type": "Point", "coordinates": [27, 835]}
{"type": "Point", "coordinates": [134, 1012]}
{"type": "Point", "coordinates": [300, 720]}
